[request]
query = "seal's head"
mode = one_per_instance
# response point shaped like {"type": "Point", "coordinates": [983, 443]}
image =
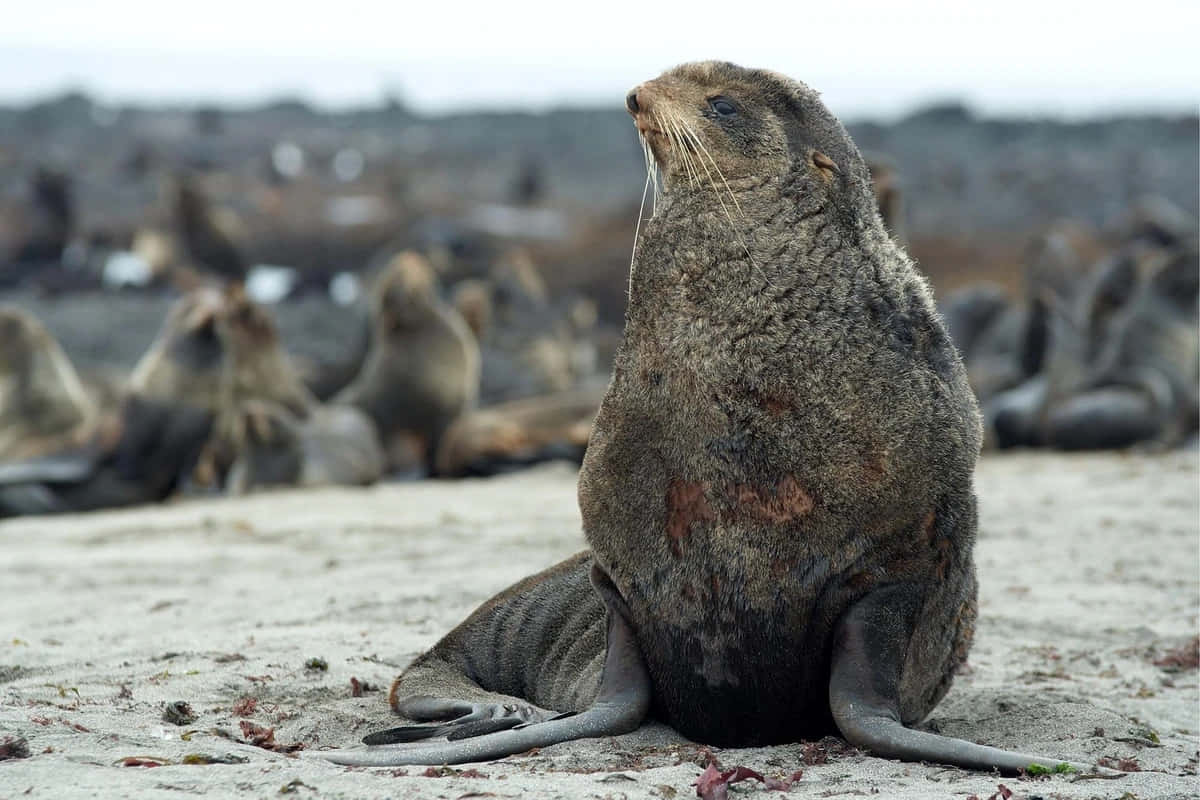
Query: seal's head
{"type": "Point", "coordinates": [247, 325]}
{"type": "Point", "coordinates": [216, 349]}
{"type": "Point", "coordinates": [405, 291]}
{"type": "Point", "coordinates": [187, 360]}
{"type": "Point", "coordinates": [261, 369]}
{"type": "Point", "coordinates": [711, 122]}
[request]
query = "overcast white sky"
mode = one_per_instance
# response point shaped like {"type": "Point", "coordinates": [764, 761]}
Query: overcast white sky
{"type": "Point", "coordinates": [871, 57]}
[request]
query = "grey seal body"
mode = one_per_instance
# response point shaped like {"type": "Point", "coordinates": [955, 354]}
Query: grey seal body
{"type": "Point", "coordinates": [777, 491]}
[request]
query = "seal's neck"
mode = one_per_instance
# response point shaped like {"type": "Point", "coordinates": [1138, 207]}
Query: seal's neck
{"type": "Point", "coordinates": [778, 243]}
{"type": "Point", "coordinates": [750, 198]}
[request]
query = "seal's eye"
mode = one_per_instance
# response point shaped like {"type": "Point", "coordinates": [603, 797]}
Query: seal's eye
{"type": "Point", "coordinates": [722, 107]}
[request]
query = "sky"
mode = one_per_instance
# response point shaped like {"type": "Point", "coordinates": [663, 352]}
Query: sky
{"type": "Point", "coordinates": [877, 58]}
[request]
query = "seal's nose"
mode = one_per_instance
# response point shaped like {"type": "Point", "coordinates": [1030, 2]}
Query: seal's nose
{"type": "Point", "coordinates": [631, 102]}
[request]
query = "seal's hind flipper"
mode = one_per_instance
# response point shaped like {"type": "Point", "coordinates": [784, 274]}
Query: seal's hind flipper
{"type": "Point", "coordinates": [620, 706]}
{"type": "Point", "coordinates": [28, 499]}
{"type": "Point", "coordinates": [464, 720]}
{"type": "Point", "coordinates": [869, 648]}
{"type": "Point", "coordinates": [451, 730]}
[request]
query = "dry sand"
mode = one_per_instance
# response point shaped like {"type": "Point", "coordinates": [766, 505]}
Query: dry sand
{"type": "Point", "coordinates": [1089, 568]}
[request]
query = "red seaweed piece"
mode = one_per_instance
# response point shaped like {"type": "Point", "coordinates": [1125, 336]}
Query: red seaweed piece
{"type": "Point", "coordinates": [713, 784]}
{"type": "Point", "coordinates": [245, 706]}
{"type": "Point", "coordinates": [1184, 657]}
{"type": "Point", "coordinates": [262, 737]}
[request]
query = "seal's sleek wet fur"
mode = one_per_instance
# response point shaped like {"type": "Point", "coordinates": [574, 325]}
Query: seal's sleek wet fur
{"type": "Point", "coordinates": [778, 487]}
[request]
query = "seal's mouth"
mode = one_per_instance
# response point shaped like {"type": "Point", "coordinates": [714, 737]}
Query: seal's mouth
{"type": "Point", "coordinates": [646, 129]}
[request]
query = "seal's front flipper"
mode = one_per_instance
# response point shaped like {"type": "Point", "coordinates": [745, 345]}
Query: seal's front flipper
{"type": "Point", "coordinates": [620, 706]}
{"type": "Point", "coordinates": [69, 466]}
{"type": "Point", "coordinates": [869, 649]}
{"type": "Point", "coordinates": [32, 486]}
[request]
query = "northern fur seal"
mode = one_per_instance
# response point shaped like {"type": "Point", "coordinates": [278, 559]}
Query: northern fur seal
{"type": "Point", "coordinates": [220, 352]}
{"type": "Point", "coordinates": [422, 370]}
{"type": "Point", "coordinates": [207, 235]}
{"type": "Point", "coordinates": [61, 451]}
{"type": "Point", "coordinates": [778, 487]}
{"type": "Point", "coordinates": [51, 220]}
{"type": "Point", "coordinates": [530, 345]}
{"type": "Point", "coordinates": [43, 404]}
{"type": "Point", "coordinates": [1120, 359]}
{"type": "Point", "coordinates": [519, 433]}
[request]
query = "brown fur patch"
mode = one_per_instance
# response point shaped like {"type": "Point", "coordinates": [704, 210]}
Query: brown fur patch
{"type": "Point", "coordinates": [965, 624]}
{"type": "Point", "coordinates": [786, 501]}
{"type": "Point", "coordinates": [393, 698]}
{"type": "Point", "coordinates": [686, 505]}
{"type": "Point", "coordinates": [875, 465]}
{"type": "Point", "coordinates": [943, 558]}
{"type": "Point", "coordinates": [861, 581]}
{"type": "Point", "coordinates": [774, 406]}
{"type": "Point", "coordinates": [927, 526]}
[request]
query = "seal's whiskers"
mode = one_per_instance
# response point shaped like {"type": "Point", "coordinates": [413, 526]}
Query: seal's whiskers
{"type": "Point", "coordinates": [637, 230]}
{"type": "Point", "coordinates": [685, 155]}
{"type": "Point", "coordinates": [703, 151]}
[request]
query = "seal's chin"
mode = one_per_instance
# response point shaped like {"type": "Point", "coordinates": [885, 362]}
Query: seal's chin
{"type": "Point", "coordinates": [659, 144]}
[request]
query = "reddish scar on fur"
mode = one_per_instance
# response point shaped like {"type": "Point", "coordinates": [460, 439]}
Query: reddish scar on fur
{"type": "Point", "coordinates": [775, 406]}
{"type": "Point", "coordinates": [786, 501]}
{"type": "Point", "coordinates": [686, 505]}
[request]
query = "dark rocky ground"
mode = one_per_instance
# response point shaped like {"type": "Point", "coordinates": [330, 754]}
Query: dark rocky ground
{"type": "Point", "coordinates": [976, 189]}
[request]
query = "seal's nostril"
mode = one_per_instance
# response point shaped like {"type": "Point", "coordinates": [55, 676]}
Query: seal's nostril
{"type": "Point", "coordinates": [631, 102]}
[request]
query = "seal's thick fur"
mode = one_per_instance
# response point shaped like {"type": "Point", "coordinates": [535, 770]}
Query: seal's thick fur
{"type": "Point", "coordinates": [778, 487]}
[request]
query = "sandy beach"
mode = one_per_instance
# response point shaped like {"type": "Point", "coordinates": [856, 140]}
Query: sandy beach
{"type": "Point", "coordinates": [197, 648]}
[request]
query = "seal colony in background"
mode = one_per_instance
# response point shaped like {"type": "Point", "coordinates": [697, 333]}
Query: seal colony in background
{"type": "Point", "coordinates": [777, 491]}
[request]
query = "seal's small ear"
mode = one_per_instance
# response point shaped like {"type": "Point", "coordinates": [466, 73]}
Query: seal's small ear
{"type": "Point", "coordinates": [825, 164]}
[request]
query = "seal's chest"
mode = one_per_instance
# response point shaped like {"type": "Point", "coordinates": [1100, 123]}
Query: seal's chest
{"type": "Point", "coordinates": [739, 682]}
